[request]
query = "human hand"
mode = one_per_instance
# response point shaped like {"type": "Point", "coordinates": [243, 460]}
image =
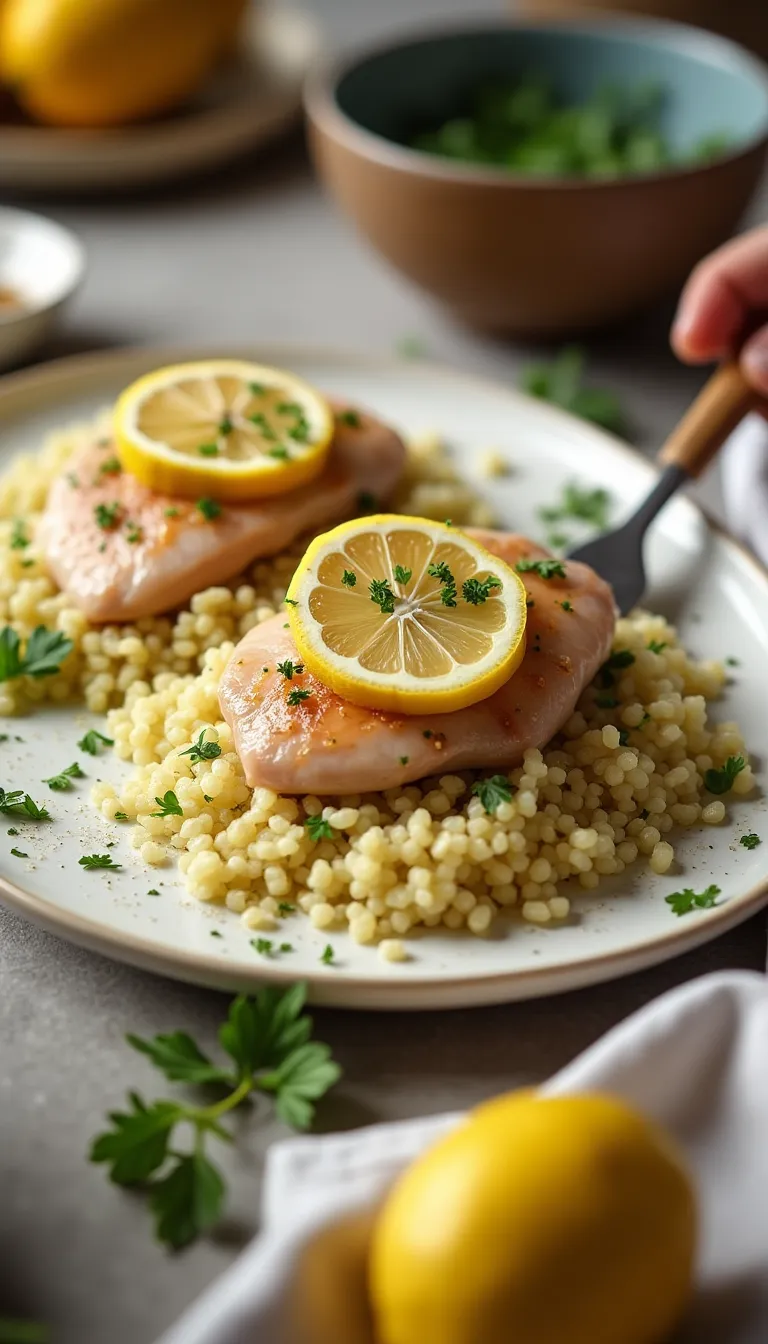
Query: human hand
{"type": "Point", "coordinates": [722, 306]}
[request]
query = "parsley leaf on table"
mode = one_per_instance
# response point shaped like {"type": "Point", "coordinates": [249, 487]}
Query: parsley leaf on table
{"type": "Point", "coordinates": [19, 804]}
{"type": "Point", "coordinates": [720, 781]}
{"type": "Point", "coordinates": [268, 1042]}
{"type": "Point", "coordinates": [683, 902]}
{"type": "Point", "coordinates": [750, 841]}
{"type": "Point", "coordinates": [62, 782]}
{"type": "Point", "coordinates": [94, 741]}
{"type": "Point", "coordinates": [493, 791]}
{"type": "Point", "coordinates": [44, 653]}
{"type": "Point", "coordinates": [91, 861]}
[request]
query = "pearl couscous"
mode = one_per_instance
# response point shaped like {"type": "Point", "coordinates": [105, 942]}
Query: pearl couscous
{"type": "Point", "coordinates": [625, 773]}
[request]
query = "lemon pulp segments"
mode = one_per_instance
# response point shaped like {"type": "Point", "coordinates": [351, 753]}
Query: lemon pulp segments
{"type": "Point", "coordinates": [222, 427]}
{"type": "Point", "coordinates": [407, 614]}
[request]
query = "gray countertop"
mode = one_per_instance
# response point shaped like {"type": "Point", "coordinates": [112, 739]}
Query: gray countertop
{"type": "Point", "coordinates": [256, 253]}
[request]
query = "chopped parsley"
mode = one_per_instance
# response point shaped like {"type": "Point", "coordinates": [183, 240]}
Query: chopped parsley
{"type": "Point", "coordinates": [656, 645]}
{"type": "Point", "coordinates": [226, 426]}
{"type": "Point", "coordinates": [349, 578]}
{"type": "Point", "coordinates": [290, 602]}
{"type": "Point", "coordinates": [209, 508]}
{"type": "Point", "coordinates": [403, 575]}
{"type": "Point", "coordinates": [558, 541]}
{"type": "Point", "coordinates": [750, 841]}
{"type": "Point", "coordinates": [214, 933]}
{"type": "Point", "coordinates": [94, 741]}
{"type": "Point", "coordinates": [328, 955]}
{"type": "Point", "coordinates": [256, 389]}
{"type": "Point", "coordinates": [441, 571]}
{"type": "Point", "coordinates": [285, 908]}
{"type": "Point", "coordinates": [286, 947]}
{"type": "Point", "coordinates": [683, 902]}
{"type": "Point", "coordinates": [404, 760]}
{"type": "Point", "coordinates": [289, 669]}
{"type": "Point", "coordinates": [297, 695]}
{"type": "Point", "coordinates": [169, 806]}
{"type": "Point", "coordinates": [546, 569]}
{"type": "Point", "coordinates": [108, 516]}
{"type": "Point", "coordinates": [566, 605]}
{"type": "Point", "coordinates": [411, 347]}
{"type": "Point", "coordinates": [121, 816]}
{"type": "Point", "coordinates": [561, 382]}
{"type": "Point", "coordinates": [382, 595]}
{"type": "Point", "coordinates": [448, 595]}
{"type": "Point", "coordinates": [587, 506]}
{"type": "Point", "coordinates": [202, 750]}
{"type": "Point", "coordinates": [112, 466]}
{"type": "Point", "coordinates": [153, 892]}
{"type": "Point", "coordinates": [19, 854]}
{"type": "Point", "coordinates": [44, 653]}
{"type": "Point", "coordinates": [170, 512]}
{"type": "Point", "coordinates": [62, 782]}
{"type": "Point", "coordinates": [477, 591]}
{"type": "Point", "coordinates": [720, 781]}
{"type": "Point", "coordinates": [264, 946]}
{"type": "Point", "coordinates": [732, 662]}
{"type": "Point", "coordinates": [318, 828]}
{"type": "Point", "coordinates": [349, 417]}
{"type": "Point", "coordinates": [133, 533]}
{"type": "Point", "coordinates": [620, 658]}
{"type": "Point", "coordinates": [91, 861]}
{"type": "Point", "coordinates": [493, 791]}
{"type": "Point", "coordinates": [208, 450]}
{"type": "Point", "coordinates": [623, 737]}
{"type": "Point", "coordinates": [19, 538]}
{"type": "Point", "coordinates": [280, 452]}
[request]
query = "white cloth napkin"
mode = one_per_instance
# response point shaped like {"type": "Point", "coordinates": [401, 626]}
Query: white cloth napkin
{"type": "Point", "coordinates": [695, 1059]}
{"type": "Point", "coordinates": [744, 475]}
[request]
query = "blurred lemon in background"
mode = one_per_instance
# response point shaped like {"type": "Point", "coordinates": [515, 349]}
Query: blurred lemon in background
{"type": "Point", "coordinates": [543, 1220]}
{"type": "Point", "coordinates": [107, 62]}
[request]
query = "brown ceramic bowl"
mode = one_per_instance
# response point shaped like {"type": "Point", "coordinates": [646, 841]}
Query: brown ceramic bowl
{"type": "Point", "coordinates": [529, 254]}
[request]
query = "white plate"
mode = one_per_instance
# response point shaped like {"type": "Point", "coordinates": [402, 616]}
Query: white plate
{"type": "Point", "coordinates": [248, 102]}
{"type": "Point", "coordinates": [713, 590]}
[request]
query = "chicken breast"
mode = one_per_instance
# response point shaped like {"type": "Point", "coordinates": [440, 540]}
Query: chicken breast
{"type": "Point", "coordinates": [122, 552]}
{"type": "Point", "coordinates": [327, 746]}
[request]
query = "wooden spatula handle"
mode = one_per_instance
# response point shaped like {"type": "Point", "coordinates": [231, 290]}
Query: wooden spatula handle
{"type": "Point", "coordinates": [724, 400]}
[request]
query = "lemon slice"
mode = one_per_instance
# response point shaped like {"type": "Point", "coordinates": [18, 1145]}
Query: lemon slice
{"type": "Point", "coordinates": [224, 428]}
{"type": "Point", "coordinates": [407, 614]}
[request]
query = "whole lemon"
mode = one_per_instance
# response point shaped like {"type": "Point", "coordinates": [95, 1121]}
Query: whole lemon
{"type": "Point", "coordinates": [106, 62]}
{"type": "Point", "coordinates": [540, 1220]}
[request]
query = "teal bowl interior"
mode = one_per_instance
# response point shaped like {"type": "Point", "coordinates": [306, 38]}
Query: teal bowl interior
{"type": "Point", "coordinates": [712, 86]}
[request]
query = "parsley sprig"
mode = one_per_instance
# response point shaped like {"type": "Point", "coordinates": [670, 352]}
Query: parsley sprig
{"type": "Point", "coordinates": [62, 782]}
{"type": "Point", "coordinates": [169, 805]}
{"type": "Point", "coordinates": [750, 841]}
{"type": "Point", "coordinates": [268, 1043]}
{"type": "Point", "coordinates": [44, 653]}
{"type": "Point", "coordinates": [493, 791]}
{"type": "Point", "coordinates": [94, 741]}
{"type": "Point", "coordinates": [546, 569]}
{"type": "Point", "coordinates": [381, 594]}
{"type": "Point", "coordinates": [289, 669]}
{"type": "Point", "coordinates": [721, 781]}
{"type": "Point", "coordinates": [318, 828]}
{"type": "Point", "coordinates": [477, 591]}
{"type": "Point", "coordinates": [19, 804]}
{"type": "Point", "coordinates": [202, 750]}
{"type": "Point", "coordinates": [91, 861]}
{"type": "Point", "coordinates": [683, 902]}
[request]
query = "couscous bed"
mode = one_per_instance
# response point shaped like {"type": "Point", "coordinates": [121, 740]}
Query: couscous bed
{"type": "Point", "coordinates": [625, 773]}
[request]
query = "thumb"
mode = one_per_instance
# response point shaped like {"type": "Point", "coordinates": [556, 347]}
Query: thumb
{"type": "Point", "coordinates": [754, 360]}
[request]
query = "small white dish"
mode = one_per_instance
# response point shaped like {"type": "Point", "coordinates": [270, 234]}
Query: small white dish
{"type": "Point", "coordinates": [41, 266]}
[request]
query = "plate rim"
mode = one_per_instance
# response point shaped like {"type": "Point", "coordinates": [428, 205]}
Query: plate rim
{"type": "Point", "coordinates": [393, 994]}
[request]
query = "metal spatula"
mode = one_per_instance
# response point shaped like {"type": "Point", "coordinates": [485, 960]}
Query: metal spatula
{"type": "Point", "coordinates": [618, 556]}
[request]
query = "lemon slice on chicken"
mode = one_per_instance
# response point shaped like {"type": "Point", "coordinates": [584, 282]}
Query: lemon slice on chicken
{"type": "Point", "coordinates": [407, 614]}
{"type": "Point", "coordinates": [224, 428]}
